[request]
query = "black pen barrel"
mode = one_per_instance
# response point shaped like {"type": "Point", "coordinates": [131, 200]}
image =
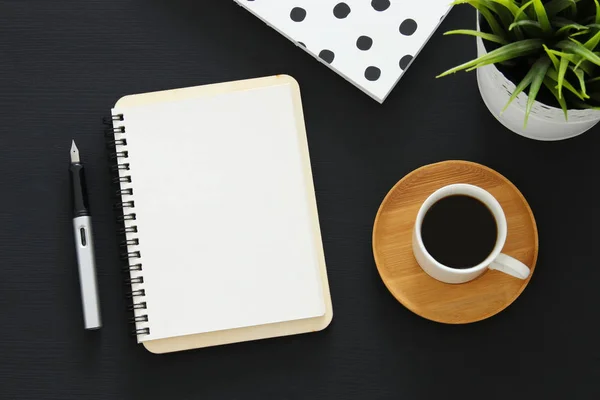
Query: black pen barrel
{"type": "Point", "coordinates": [81, 205]}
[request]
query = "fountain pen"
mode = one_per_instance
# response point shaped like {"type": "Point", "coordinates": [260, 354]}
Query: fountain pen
{"type": "Point", "coordinates": [82, 224]}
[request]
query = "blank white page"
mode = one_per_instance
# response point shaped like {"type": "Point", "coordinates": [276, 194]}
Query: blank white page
{"type": "Point", "coordinates": [225, 227]}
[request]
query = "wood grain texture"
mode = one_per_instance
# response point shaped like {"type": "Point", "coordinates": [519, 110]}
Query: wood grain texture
{"type": "Point", "coordinates": [464, 303]}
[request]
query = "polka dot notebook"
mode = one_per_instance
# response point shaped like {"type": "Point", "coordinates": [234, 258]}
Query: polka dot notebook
{"type": "Point", "coordinates": [371, 43]}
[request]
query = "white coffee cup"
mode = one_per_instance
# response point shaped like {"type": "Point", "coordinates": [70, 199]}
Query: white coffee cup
{"type": "Point", "coordinates": [496, 260]}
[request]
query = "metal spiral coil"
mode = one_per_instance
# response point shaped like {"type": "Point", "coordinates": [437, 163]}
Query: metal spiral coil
{"type": "Point", "coordinates": [117, 142]}
{"type": "Point", "coordinates": [141, 318]}
{"type": "Point", "coordinates": [109, 121]}
{"type": "Point", "coordinates": [126, 217]}
{"type": "Point", "coordinates": [126, 179]}
{"type": "Point", "coordinates": [141, 331]}
{"type": "Point", "coordinates": [118, 153]}
{"type": "Point", "coordinates": [128, 229]}
{"type": "Point", "coordinates": [137, 306]}
{"type": "Point", "coordinates": [124, 204]}
{"type": "Point", "coordinates": [134, 267]}
{"type": "Point", "coordinates": [128, 255]}
{"type": "Point", "coordinates": [130, 242]}
{"type": "Point", "coordinates": [139, 279]}
{"type": "Point", "coordinates": [110, 131]}
{"type": "Point", "coordinates": [116, 168]}
{"type": "Point", "coordinates": [121, 192]}
{"type": "Point", "coordinates": [136, 293]}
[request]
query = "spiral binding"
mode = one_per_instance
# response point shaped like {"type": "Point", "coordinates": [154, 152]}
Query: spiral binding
{"type": "Point", "coordinates": [116, 142]}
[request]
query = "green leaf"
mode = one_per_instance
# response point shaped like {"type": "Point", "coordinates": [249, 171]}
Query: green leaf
{"type": "Point", "coordinates": [579, 64]}
{"type": "Point", "coordinates": [585, 65]}
{"type": "Point", "coordinates": [525, 22]}
{"type": "Point", "coordinates": [567, 27]}
{"type": "Point", "coordinates": [552, 57]}
{"type": "Point", "coordinates": [597, 11]}
{"type": "Point", "coordinates": [560, 22]}
{"type": "Point", "coordinates": [487, 36]}
{"type": "Point", "coordinates": [518, 15]}
{"type": "Point", "coordinates": [507, 52]}
{"type": "Point", "coordinates": [510, 5]}
{"type": "Point", "coordinates": [573, 58]}
{"type": "Point", "coordinates": [572, 35]}
{"type": "Point", "coordinates": [563, 104]}
{"type": "Point", "coordinates": [502, 12]}
{"type": "Point", "coordinates": [487, 15]}
{"type": "Point", "coordinates": [589, 20]}
{"type": "Point", "coordinates": [552, 74]}
{"type": "Point", "coordinates": [523, 8]}
{"type": "Point", "coordinates": [593, 42]}
{"type": "Point", "coordinates": [573, 10]}
{"type": "Point", "coordinates": [574, 47]}
{"type": "Point", "coordinates": [581, 78]}
{"type": "Point", "coordinates": [542, 17]}
{"type": "Point", "coordinates": [540, 67]}
{"type": "Point", "coordinates": [520, 87]}
{"type": "Point", "coordinates": [492, 22]}
{"type": "Point", "coordinates": [593, 80]}
{"type": "Point", "coordinates": [555, 6]}
{"type": "Point", "coordinates": [562, 70]}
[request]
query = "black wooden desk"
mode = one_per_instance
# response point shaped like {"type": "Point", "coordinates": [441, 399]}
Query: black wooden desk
{"type": "Point", "coordinates": [63, 63]}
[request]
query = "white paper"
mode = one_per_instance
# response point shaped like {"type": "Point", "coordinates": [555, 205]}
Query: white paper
{"type": "Point", "coordinates": [222, 211]}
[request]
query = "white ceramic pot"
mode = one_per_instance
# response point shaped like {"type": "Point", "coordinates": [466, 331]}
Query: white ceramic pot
{"type": "Point", "coordinates": [545, 122]}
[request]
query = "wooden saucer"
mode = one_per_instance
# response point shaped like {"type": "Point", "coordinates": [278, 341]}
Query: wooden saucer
{"type": "Point", "coordinates": [468, 302]}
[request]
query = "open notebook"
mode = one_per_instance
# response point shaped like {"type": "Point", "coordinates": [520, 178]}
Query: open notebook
{"type": "Point", "coordinates": [219, 215]}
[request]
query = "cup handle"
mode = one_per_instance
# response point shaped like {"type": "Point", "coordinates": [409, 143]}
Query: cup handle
{"type": "Point", "coordinates": [510, 266]}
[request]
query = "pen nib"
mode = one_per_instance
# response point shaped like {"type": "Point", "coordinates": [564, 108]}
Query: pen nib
{"type": "Point", "coordinates": [74, 153]}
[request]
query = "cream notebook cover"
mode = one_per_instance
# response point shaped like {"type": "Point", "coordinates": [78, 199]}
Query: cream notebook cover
{"type": "Point", "coordinates": [222, 236]}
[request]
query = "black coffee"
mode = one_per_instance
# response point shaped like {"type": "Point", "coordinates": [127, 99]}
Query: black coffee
{"type": "Point", "coordinates": [459, 231]}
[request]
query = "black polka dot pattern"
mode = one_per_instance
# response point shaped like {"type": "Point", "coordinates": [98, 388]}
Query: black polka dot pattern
{"type": "Point", "coordinates": [298, 14]}
{"type": "Point", "coordinates": [327, 56]}
{"type": "Point", "coordinates": [364, 43]}
{"type": "Point", "coordinates": [408, 27]}
{"type": "Point", "coordinates": [340, 33]}
{"type": "Point", "coordinates": [341, 10]}
{"type": "Point", "coordinates": [380, 5]}
{"type": "Point", "coordinates": [372, 73]}
{"type": "Point", "coordinates": [405, 61]}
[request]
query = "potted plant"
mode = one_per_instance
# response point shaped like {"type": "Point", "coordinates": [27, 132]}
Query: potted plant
{"type": "Point", "coordinates": [538, 64]}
